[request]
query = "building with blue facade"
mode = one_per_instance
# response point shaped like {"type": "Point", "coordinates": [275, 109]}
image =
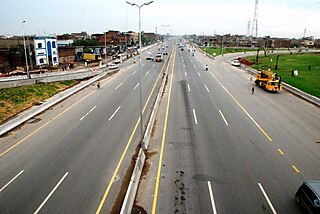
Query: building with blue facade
{"type": "Point", "coordinates": [46, 51]}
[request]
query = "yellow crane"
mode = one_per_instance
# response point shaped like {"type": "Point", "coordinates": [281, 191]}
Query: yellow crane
{"type": "Point", "coordinates": [268, 80]}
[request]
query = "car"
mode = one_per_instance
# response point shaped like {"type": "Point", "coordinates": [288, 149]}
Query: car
{"type": "Point", "coordinates": [235, 62]}
{"type": "Point", "coordinates": [117, 61]}
{"type": "Point", "coordinates": [308, 196]}
{"type": "Point", "coordinates": [149, 58]}
{"type": "Point", "coordinates": [165, 53]}
{"type": "Point", "coordinates": [112, 66]}
{"type": "Point", "coordinates": [159, 58]}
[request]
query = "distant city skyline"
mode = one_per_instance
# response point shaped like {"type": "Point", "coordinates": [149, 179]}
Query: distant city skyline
{"type": "Point", "coordinates": [288, 19]}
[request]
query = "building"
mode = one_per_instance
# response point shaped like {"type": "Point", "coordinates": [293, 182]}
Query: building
{"type": "Point", "coordinates": [151, 37]}
{"type": "Point", "coordinates": [46, 51]}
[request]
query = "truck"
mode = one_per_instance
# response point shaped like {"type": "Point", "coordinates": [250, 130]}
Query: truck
{"type": "Point", "coordinates": [91, 57]}
{"type": "Point", "coordinates": [268, 80]}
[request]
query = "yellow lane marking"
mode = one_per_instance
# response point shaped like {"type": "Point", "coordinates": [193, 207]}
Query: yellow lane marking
{"type": "Point", "coordinates": [106, 193]}
{"type": "Point", "coordinates": [267, 136]}
{"type": "Point", "coordinates": [295, 169]}
{"type": "Point", "coordinates": [50, 121]}
{"type": "Point", "coordinates": [280, 151]}
{"type": "Point", "coordinates": [156, 190]}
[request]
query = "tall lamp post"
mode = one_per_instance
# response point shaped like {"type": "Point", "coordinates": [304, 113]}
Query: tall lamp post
{"type": "Point", "coordinates": [140, 85]}
{"type": "Point", "coordinates": [105, 47]}
{"type": "Point", "coordinates": [165, 38]}
{"type": "Point", "coordinates": [25, 49]}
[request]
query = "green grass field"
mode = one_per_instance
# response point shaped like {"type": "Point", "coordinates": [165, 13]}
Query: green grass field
{"type": "Point", "coordinates": [218, 51]}
{"type": "Point", "coordinates": [15, 100]}
{"type": "Point", "coordinates": [307, 80]}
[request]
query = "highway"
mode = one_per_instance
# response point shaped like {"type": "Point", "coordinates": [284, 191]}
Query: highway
{"type": "Point", "coordinates": [225, 150]}
{"type": "Point", "coordinates": [75, 157]}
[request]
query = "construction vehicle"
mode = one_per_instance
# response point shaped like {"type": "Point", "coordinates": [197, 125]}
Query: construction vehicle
{"type": "Point", "coordinates": [268, 80]}
{"type": "Point", "coordinates": [91, 57]}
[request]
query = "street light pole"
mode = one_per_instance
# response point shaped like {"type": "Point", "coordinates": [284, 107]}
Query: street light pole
{"type": "Point", "coordinates": [105, 47]}
{"type": "Point", "coordinates": [165, 38]}
{"type": "Point", "coordinates": [140, 85]}
{"type": "Point", "coordinates": [25, 50]}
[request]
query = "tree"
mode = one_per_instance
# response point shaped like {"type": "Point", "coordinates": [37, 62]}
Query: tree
{"type": "Point", "coordinates": [88, 42]}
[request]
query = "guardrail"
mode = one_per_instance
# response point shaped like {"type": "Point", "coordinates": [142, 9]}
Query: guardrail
{"type": "Point", "coordinates": [35, 110]}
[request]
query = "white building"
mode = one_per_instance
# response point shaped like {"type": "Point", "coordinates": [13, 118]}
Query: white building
{"type": "Point", "coordinates": [46, 51]}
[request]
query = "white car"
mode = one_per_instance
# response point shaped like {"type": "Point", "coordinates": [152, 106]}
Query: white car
{"type": "Point", "coordinates": [112, 66]}
{"type": "Point", "coordinates": [117, 61]}
{"type": "Point", "coordinates": [235, 62]}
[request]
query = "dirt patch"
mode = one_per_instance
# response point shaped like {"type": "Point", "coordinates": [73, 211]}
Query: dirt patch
{"type": "Point", "coordinates": [116, 208]}
{"type": "Point", "coordinates": [154, 127]}
{"type": "Point", "coordinates": [136, 209]}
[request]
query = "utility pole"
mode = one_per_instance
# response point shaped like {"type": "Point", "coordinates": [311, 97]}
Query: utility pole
{"type": "Point", "coordinates": [248, 28]}
{"type": "Point", "coordinates": [254, 29]}
{"type": "Point", "coordinates": [30, 54]}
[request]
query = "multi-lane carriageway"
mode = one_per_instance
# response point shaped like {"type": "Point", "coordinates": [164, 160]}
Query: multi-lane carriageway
{"type": "Point", "coordinates": [216, 148]}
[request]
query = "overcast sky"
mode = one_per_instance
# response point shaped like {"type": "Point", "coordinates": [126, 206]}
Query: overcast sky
{"type": "Point", "coordinates": [277, 18]}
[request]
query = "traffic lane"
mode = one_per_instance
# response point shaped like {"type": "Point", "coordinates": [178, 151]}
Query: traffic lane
{"type": "Point", "coordinates": [178, 190]}
{"type": "Point", "coordinates": [291, 188]}
{"type": "Point", "coordinates": [198, 149]}
{"type": "Point", "coordinates": [76, 144]}
{"type": "Point", "coordinates": [247, 140]}
{"type": "Point", "coordinates": [214, 146]}
{"type": "Point", "coordinates": [290, 120]}
{"type": "Point", "coordinates": [294, 124]}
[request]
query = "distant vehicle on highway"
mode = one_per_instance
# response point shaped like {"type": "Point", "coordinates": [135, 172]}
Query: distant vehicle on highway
{"type": "Point", "coordinates": [149, 58]}
{"type": "Point", "coordinates": [91, 57]}
{"type": "Point", "coordinates": [112, 66]}
{"type": "Point", "coordinates": [159, 57]}
{"type": "Point", "coordinates": [235, 62]}
{"type": "Point", "coordinates": [308, 196]}
{"type": "Point", "coordinates": [165, 53]}
{"type": "Point", "coordinates": [117, 61]}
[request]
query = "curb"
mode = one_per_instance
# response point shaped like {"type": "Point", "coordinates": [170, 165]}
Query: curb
{"type": "Point", "coordinates": [35, 110]}
{"type": "Point", "coordinates": [308, 97]}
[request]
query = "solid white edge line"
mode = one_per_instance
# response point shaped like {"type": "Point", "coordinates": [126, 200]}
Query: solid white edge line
{"type": "Point", "coordinates": [214, 209]}
{"type": "Point", "coordinates": [119, 86]}
{"type": "Point", "coordinates": [114, 113]}
{"type": "Point", "coordinates": [136, 86]}
{"type": "Point", "coordinates": [189, 87]}
{"type": "Point", "coordinates": [15, 177]}
{"type": "Point", "coordinates": [223, 118]}
{"type": "Point", "coordinates": [207, 88]}
{"type": "Point", "coordinates": [195, 116]}
{"type": "Point", "coordinates": [51, 193]}
{"type": "Point", "coordinates": [267, 198]}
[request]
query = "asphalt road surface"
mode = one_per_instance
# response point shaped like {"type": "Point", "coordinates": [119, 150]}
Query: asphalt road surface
{"type": "Point", "coordinates": [74, 157]}
{"type": "Point", "coordinates": [225, 150]}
